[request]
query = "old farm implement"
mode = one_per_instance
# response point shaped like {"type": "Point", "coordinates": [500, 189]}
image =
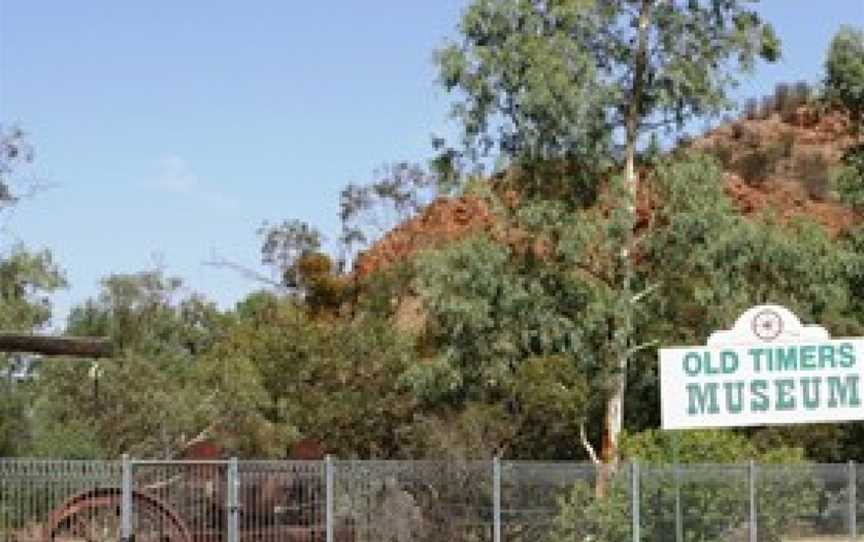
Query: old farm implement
{"type": "Point", "coordinates": [165, 501]}
{"type": "Point", "coordinates": [192, 500]}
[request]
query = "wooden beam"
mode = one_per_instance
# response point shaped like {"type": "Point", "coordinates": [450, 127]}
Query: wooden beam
{"type": "Point", "coordinates": [52, 345]}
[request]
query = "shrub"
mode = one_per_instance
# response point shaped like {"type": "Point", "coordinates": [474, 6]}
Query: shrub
{"type": "Point", "coordinates": [850, 178]}
{"type": "Point", "coordinates": [768, 107]}
{"type": "Point", "coordinates": [812, 170]}
{"type": "Point", "coordinates": [782, 97]}
{"type": "Point", "coordinates": [756, 166]}
{"type": "Point", "coordinates": [801, 93]}
{"type": "Point", "coordinates": [722, 151]}
{"type": "Point", "coordinates": [715, 496]}
{"type": "Point", "coordinates": [787, 144]}
{"type": "Point", "coordinates": [583, 516]}
{"type": "Point", "coordinates": [751, 109]}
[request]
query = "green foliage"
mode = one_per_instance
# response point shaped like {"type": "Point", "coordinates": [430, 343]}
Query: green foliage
{"type": "Point", "coordinates": [26, 279]}
{"type": "Point", "coordinates": [707, 446]}
{"type": "Point", "coordinates": [14, 416]}
{"type": "Point", "coordinates": [844, 72]}
{"type": "Point", "coordinates": [584, 516]}
{"type": "Point", "coordinates": [157, 394]}
{"type": "Point", "coordinates": [731, 262]}
{"type": "Point", "coordinates": [68, 439]}
{"type": "Point", "coordinates": [478, 307]}
{"type": "Point", "coordinates": [143, 312]}
{"type": "Point", "coordinates": [368, 211]}
{"type": "Point", "coordinates": [333, 380]}
{"type": "Point", "coordinates": [133, 406]}
{"type": "Point", "coordinates": [756, 166]}
{"type": "Point", "coordinates": [722, 152]}
{"type": "Point", "coordinates": [486, 314]}
{"type": "Point", "coordinates": [813, 171]}
{"type": "Point", "coordinates": [849, 179]}
{"type": "Point", "coordinates": [787, 144]}
{"type": "Point", "coordinates": [531, 91]}
{"type": "Point", "coordinates": [715, 503]}
{"type": "Point", "coordinates": [15, 151]}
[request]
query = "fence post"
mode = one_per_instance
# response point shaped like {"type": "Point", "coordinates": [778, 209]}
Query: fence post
{"type": "Point", "coordinates": [328, 503]}
{"type": "Point", "coordinates": [679, 520]}
{"type": "Point", "coordinates": [853, 502]}
{"type": "Point", "coordinates": [751, 475]}
{"type": "Point", "coordinates": [635, 498]}
{"type": "Point", "coordinates": [126, 500]}
{"type": "Point", "coordinates": [233, 503]}
{"type": "Point", "coordinates": [496, 499]}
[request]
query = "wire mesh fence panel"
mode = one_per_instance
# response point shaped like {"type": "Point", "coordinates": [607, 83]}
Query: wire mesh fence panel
{"type": "Point", "coordinates": [803, 502]}
{"type": "Point", "coordinates": [694, 503]}
{"type": "Point", "coordinates": [58, 500]}
{"type": "Point", "coordinates": [282, 501]}
{"type": "Point", "coordinates": [425, 501]}
{"type": "Point", "coordinates": [858, 494]}
{"type": "Point", "coordinates": [428, 501]}
{"type": "Point", "coordinates": [180, 501]}
{"type": "Point", "coordinates": [532, 495]}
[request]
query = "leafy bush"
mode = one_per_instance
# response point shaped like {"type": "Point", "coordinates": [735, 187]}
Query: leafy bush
{"type": "Point", "coordinates": [757, 165]}
{"type": "Point", "coordinates": [844, 71]}
{"type": "Point", "coordinates": [812, 170]}
{"type": "Point", "coordinates": [787, 144]}
{"type": "Point", "coordinates": [850, 178]}
{"type": "Point", "coordinates": [768, 107]}
{"type": "Point", "coordinates": [715, 497]}
{"type": "Point", "coordinates": [723, 152]}
{"type": "Point", "coordinates": [801, 92]}
{"type": "Point", "coordinates": [783, 97]}
{"type": "Point", "coordinates": [583, 516]}
{"type": "Point", "coordinates": [751, 109]}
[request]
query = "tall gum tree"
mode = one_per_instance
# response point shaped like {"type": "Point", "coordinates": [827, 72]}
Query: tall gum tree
{"type": "Point", "coordinates": [542, 80]}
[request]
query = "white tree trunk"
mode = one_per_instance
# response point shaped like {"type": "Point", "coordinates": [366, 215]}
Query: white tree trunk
{"type": "Point", "coordinates": [614, 417]}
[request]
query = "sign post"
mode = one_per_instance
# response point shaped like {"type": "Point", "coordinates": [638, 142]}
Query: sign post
{"type": "Point", "coordinates": [767, 369]}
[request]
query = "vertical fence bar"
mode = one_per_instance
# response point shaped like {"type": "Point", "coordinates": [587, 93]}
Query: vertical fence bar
{"type": "Point", "coordinates": [679, 519]}
{"type": "Point", "coordinates": [328, 511]}
{"type": "Point", "coordinates": [679, 516]}
{"type": "Point", "coordinates": [126, 500]}
{"type": "Point", "coordinates": [233, 501]}
{"type": "Point", "coordinates": [634, 498]}
{"type": "Point", "coordinates": [496, 499]}
{"type": "Point", "coordinates": [853, 502]}
{"type": "Point", "coordinates": [751, 476]}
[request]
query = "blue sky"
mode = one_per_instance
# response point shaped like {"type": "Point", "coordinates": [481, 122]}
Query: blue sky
{"type": "Point", "coordinates": [169, 131]}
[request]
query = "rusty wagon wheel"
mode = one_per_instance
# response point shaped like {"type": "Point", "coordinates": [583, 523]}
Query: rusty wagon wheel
{"type": "Point", "coordinates": [94, 516]}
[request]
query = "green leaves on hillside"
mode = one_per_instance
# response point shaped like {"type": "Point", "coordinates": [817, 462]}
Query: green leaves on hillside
{"type": "Point", "coordinates": [844, 72]}
{"type": "Point", "coordinates": [26, 279]}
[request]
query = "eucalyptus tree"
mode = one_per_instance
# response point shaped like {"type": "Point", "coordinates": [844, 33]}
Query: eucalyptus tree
{"type": "Point", "coordinates": [844, 72]}
{"type": "Point", "coordinates": [15, 151]}
{"type": "Point", "coordinates": [546, 80]}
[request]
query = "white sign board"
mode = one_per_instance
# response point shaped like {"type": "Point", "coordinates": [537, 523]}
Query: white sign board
{"type": "Point", "coordinates": [767, 369]}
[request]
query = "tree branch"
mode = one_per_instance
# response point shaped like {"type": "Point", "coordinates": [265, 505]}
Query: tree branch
{"type": "Point", "coordinates": [583, 437]}
{"type": "Point", "coordinates": [644, 293]}
{"type": "Point", "coordinates": [81, 347]}
{"type": "Point", "coordinates": [250, 274]}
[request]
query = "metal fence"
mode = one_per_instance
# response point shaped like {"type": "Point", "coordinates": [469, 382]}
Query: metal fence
{"type": "Point", "coordinates": [430, 501]}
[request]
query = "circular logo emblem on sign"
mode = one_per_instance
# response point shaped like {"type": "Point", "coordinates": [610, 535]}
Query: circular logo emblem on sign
{"type": "Point", "coordinates": [767, 325]}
